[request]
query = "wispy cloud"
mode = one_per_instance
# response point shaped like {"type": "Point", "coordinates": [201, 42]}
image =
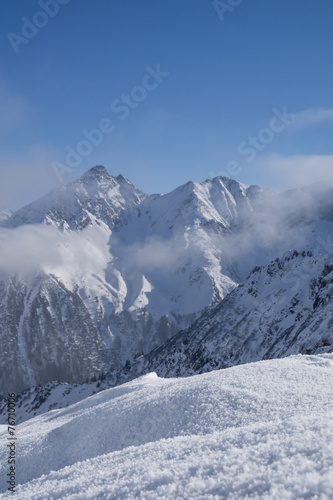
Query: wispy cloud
{"type": "Point", "coordinates": [297, 170]}
{"type": "Point", "coordinates": [312, 117]}
{"type": "Point", "coordinates": [31, 247]}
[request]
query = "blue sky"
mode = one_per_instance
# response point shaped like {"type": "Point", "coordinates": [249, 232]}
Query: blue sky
{"type": "Point", "coordinates": [226, 72]}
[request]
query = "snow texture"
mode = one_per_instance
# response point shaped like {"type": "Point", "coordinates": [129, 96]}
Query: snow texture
{"type": "Point", "coordinates": [261, 430]}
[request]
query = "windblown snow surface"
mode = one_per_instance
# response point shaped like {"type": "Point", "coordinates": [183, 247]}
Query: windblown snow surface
{"type": "Point", "coordinates": [260, 430]}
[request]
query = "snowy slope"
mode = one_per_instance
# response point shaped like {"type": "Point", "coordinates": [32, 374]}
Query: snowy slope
{"type": "Point", "coordinates": [261, 430]}
{"type": "Point", "coordinates": [281, 309]}
{"type": "Point", "coordinates": [53, 338]}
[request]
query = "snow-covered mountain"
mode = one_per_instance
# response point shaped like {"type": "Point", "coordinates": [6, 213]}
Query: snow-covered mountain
{"type": "Point", "coordinates": [261, 430]}
{"type": "Point", "coordinates": [95, 197]}
{"type": "Point", "coordinates": [281, 309]}
{"type": "Point", "coordinates": [96, 275]}
{"type": "Point", "coordinates": [155, 264]}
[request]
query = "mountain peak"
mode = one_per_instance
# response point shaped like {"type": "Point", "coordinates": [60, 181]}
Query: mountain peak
{"type": "Point", "coordinates": [95, 195]}
{"type": "Point", "coordinates": [98, 169]}
{"type": "Point", "coordinates": [121, 178]}
{"type": "Point", "coordinates": [96, 172]}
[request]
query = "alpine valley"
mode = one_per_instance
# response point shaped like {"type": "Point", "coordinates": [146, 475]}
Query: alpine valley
{"type": "Point", "coordinates": [101, 283]}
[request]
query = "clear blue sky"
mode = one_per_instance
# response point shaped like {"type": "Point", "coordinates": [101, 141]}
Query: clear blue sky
{"type": "Point", "coordinates": [227, 72]}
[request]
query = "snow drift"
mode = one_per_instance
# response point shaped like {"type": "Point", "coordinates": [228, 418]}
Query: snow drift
{"type": "Point", "coordinates": [261, 430]}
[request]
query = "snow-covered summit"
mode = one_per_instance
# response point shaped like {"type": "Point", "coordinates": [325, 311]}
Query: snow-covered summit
{"type": "Point", "coordinates": [97, 173]}
{"type": "Point", "coordinates": [220, 201]}
{"type": "Point", "coordinates": [95, 196]}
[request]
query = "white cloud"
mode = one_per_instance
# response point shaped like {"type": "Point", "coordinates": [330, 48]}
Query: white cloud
{"type": "Point", "coordinates": [31, 247]}
{"type": "Point", "coordinates": [312, 117]}
{"type": "Point", "coordinates": [297, 170]}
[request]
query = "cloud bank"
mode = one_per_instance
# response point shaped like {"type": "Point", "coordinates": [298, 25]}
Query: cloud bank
{"type": "Point", "coordinates": [298, 170]}
{"type": "Point", "coordinates": [29, 248]}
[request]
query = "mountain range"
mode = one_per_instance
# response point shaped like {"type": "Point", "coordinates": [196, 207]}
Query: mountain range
{"type": "Point", "coordinates": [101, 281]}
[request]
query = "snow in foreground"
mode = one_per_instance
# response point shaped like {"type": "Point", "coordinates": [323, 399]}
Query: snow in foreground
{"type": "Point", "coordinates": [262, 430]}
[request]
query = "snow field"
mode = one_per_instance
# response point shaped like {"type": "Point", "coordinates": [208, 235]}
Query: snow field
{"type": "Point", "coordinates": [261, 430]}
